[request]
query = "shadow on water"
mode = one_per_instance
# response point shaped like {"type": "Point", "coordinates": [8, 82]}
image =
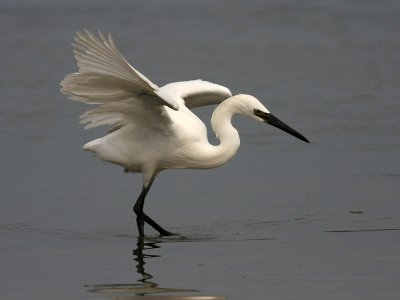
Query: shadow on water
{"type": "Point", "coordinates": [146, 286]}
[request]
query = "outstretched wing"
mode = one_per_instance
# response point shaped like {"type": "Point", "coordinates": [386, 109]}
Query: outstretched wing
{"type": "Point", "coordinates": [197, 92]}
{"type": "Point", "coordinates": [122, 93]}
{"type": "Point", "coordinates": [107, 79]}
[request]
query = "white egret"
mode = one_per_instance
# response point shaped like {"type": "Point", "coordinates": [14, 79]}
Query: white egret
{"type": "Point", "coordinates": [153, 128]}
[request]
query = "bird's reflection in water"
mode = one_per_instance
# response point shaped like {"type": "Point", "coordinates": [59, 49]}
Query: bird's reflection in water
{"type": "Point", "coordinates": [140, 259]}
{"type": "Point", "coordinates": [146, 286]}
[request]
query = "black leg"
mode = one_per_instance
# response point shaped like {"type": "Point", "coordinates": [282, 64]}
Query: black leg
{"type": "Point", "coordinates": [141, 217]}
{"type": "Point", "coordinates": [138, 209]}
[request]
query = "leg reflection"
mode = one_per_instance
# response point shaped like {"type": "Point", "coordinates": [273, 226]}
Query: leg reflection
{"type": "Point", "coordinates": [140, 256]}
{"type": "Point", "coordinates": [146, 283]}
{"type": "Point", "coordinates": [149, 287]}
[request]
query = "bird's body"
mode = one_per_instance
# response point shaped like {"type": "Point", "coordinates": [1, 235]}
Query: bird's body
{"type": "Point", "coordinates": [152, 128]}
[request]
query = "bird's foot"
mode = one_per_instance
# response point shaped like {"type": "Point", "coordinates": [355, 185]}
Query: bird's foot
{"type": "Point", "coordinates": [168, 233]}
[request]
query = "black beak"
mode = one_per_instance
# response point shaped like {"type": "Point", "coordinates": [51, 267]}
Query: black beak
{"type": "Point", "coordinates": [274, 121]}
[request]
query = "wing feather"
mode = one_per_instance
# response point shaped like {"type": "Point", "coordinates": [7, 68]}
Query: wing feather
{"type": "Point", "coordinates": [198, 92]}
{"type": "Point", "coordinates": [136, 112]}
{"type": "Point", "coordinates": [123, 95]}
{"type": "Point", "coordinates": [105, 76]}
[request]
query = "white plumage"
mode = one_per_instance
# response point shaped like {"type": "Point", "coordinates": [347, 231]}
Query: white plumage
{"type": "Point", "coordinates": [152, 128]}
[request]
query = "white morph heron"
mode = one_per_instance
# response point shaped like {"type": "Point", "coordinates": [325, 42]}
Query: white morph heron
{"type": "Point", "coordinates": [153, 128]}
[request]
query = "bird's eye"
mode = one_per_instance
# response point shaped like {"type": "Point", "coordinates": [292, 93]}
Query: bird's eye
{"type": "Point", "coordinates": [259, 113]}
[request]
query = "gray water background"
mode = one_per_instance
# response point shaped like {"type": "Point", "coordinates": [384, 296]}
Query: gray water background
{"type": "Point", "coordinates": [282, 220]}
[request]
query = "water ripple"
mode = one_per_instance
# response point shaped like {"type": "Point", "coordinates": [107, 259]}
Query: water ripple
{"type": "Point", "coordinates": [362, 230]}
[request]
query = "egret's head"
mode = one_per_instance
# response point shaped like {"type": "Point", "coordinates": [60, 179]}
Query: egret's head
{"type": "Point", "coordinates": [250, 107]}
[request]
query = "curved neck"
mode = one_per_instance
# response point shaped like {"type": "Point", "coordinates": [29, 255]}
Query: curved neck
{"type": "Point", "coordinates": [226, 133]}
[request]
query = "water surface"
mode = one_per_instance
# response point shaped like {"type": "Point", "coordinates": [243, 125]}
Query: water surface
{"type": "Point", "coordinates": [282, 220]}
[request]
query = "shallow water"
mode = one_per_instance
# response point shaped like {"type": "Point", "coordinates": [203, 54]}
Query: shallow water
{"type": "Point", "coordinates": [282, 220]}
